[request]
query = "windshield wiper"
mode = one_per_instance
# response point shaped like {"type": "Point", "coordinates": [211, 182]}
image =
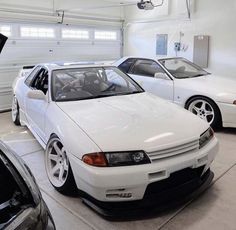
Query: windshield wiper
{"type": "Point", "coordinates": [127, 93]}
{"type": "Point", "coordinates": [111, 95]}
{"type": "Point", "coordinates": [99, 96]}
{"type": "Point", "coordinates": [199, 75]}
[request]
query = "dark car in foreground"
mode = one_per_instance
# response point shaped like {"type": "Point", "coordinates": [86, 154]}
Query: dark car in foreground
{"type": "Point", "coordinates": [21, 203]}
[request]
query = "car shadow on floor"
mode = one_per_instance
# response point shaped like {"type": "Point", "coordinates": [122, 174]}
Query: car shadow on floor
{"type": "Point", "coordinates": [226, 130]}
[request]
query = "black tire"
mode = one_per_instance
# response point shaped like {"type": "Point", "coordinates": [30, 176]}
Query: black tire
{"type": "Point", "coordinates": [15, 111]}
{"type": "Point", "coordinates": [69, 186]}
{"type": "Point", "coordinates": [217, 120]}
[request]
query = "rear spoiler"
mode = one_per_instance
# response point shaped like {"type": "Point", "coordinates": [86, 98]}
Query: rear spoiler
{"type": "Point", "coordinates": [3, 40]}
{"type": "Point", "coordinates": [28, 67]}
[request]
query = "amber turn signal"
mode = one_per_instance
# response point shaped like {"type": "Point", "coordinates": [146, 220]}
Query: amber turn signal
{"type": "Point", "coordinates": [95, 159]}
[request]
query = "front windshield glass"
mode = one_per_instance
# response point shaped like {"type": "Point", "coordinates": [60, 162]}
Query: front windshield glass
{"type": "Point", "coordinates": [88, 83]}
{"type": "Point", "coordinates": [182, 68]}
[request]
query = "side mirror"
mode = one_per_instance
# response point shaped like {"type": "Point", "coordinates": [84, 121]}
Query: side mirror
{"type": "Point", "coordinates": [36, 94]}
{"type": "Point", "coordinates": [162, 76]}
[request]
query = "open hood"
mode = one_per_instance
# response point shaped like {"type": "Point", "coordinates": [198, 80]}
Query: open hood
{"type": "Point", "coordinates": [3, 40]}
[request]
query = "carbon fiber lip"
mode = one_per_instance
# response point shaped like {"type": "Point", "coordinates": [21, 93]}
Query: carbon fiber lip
{"type": "Point", "coordinates": [153, 204]}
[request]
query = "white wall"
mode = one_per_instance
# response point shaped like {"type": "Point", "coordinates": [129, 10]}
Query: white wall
{"type": "Point", "coordinates": [214, 18]}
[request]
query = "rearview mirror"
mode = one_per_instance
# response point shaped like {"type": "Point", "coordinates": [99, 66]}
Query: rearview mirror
{"type": "Point", "coordinates": [162, 76]}
{"type": "Point", "coordinates": [36, 94]}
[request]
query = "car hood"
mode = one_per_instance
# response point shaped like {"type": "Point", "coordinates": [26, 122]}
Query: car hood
{"type": "Point", "coordinates": [3, 40]}
{"type": "Point", "coordinates": [217, 87]}
{"type": "Point", "coordinates": [134, 122]}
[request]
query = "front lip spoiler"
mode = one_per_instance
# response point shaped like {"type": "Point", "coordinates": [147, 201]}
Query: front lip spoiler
{"type": "Point", "coordinates": [148, 207]}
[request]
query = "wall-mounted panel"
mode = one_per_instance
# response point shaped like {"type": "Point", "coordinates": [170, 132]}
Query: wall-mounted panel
{"type": "Point", "coordinates": [201, 50]}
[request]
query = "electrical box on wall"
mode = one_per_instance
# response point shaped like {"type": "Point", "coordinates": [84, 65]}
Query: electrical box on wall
{"type": "Point", "coordinates": [201, 50]}
{"type": "Point", "coordinates": [177, 46]}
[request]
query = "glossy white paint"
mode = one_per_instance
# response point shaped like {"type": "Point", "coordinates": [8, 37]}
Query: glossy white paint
{"type": "Point", "coordinates": [129, 122]}
{"type": "Point", "coordinates": [221, 90]}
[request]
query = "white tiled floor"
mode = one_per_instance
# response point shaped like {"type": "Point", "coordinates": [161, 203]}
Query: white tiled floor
{"type": "Point", "coordinates": [216, 209]}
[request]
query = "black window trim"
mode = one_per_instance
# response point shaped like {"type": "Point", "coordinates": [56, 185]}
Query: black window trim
{"type": "Point", "coordinates": [131, 66]}
{"type": "Point", "coordinates": [29, 85]}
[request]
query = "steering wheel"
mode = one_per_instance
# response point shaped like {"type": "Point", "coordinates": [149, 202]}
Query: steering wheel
{"type": "Point", "coordinates": [181, 69]}
{"type": "Point", "coordinates": [110, 87]}
{"type": "Point", "coordinates": [68, 87]}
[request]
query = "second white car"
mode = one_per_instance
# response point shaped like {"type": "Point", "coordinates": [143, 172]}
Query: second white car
{"type": "Point", "coordinates": [178, 80]}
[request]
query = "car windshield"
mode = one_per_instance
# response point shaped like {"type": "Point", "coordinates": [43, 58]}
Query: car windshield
{"type": "Point", "coordinates": [182, 68]}
{"type": "Point", "coordinates": [93, 82]}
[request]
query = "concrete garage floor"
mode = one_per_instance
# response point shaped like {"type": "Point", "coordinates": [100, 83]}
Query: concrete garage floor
{"type": "Point", "coordinates": [215, 209]}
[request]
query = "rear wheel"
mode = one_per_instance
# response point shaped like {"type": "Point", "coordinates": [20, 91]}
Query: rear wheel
{"type": "Point", "coordinates": [206, 110]}
{"type": "Point", "coordinates": [58, 167]}
{"type": "Point", "coordinates": [15, 112]}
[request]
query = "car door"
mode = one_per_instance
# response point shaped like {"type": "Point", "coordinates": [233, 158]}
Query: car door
{"type": "Point", "coordinates": [36, 109]}
{"type": "Point", "coordinates": [143, 71]}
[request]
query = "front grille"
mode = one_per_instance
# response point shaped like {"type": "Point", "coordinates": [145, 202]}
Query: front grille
{"type": "Point", "coordinates": [181, 178]}
{"type": "Point", "coordinates": [173, 151]}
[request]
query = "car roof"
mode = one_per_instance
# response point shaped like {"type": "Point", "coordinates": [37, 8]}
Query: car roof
{"type": "Point", "coordinates": [72, 65]}
{"type": "Point", "coordinates": [170, 58]}
{"type": "Point", "coordinates": [146, 57]}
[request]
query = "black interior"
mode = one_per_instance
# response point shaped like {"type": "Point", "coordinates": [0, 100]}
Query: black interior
{"type": "Point", "coordinates": [12, 200]}
{"type": "Point", "coordinates": [40, 82]}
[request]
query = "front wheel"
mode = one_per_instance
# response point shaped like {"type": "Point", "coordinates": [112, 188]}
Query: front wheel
{"type": "Point", "coordinates": [15, 111]}
{"type": "Point", "coordinates": [58, 167]}
{"type": "Point", "coordinates": [206, 110]}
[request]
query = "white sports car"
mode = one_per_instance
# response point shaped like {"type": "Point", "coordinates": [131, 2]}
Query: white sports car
{"type": "Point", "coordinates": [111, 140]}
{"type": "Point", "coordinates": [180, 81]}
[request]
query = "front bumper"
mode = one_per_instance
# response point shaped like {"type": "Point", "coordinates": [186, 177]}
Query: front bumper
{"type": "Point", "coordinates": [228, 113]}
{"type": "Point", "coordinates": [118, 184]}
{"type": "Point", "coordinates": [159, 196]}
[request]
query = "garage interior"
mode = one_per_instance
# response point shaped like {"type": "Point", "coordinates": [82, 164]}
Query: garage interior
{"type": "Point", "coordinates": [86, 31]}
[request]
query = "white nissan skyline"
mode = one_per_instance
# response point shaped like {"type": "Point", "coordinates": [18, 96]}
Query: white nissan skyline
{"type": "Point", "coordinates": [106, 137]}
{"type": "Point", "coordinates": [178, 80]}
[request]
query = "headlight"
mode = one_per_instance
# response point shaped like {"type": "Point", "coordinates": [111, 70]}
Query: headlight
{"type": "Point", "coordinates": [206, 137]}
{"type": "Point", "coordinates": [113, 159]}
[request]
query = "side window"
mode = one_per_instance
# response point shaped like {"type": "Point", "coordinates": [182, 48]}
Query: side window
{"type": "Point", "coordinates": [40, 82]}
{"type": "Point", "coordinates": [125, 66]}
{"type": "Point", "coordinates": [31, 76]}
{"type": "Point", "coordinates": [146, 68]}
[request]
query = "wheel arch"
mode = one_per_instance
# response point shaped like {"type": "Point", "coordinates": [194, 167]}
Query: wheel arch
{"type": "Point", "coordinates": [206, 97]}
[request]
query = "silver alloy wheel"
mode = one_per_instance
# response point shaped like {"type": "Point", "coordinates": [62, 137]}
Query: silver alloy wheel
{"type": "Point", "coordinates": [57, 163]}
{"type": "Point", "coordinates": [202, 109]}
{"type": "Point", "coordinates": [14, 108]}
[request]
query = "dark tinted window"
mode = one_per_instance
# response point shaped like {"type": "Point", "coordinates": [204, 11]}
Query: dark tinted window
{"type": "Point", "coordinates": [125, 66]}
{"type": "Point", "coordinates": [40, 82]}
{"type": "Point", "coordinates": [31, 76]}
{"type": "Point", "coordinates": [146, 68]}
